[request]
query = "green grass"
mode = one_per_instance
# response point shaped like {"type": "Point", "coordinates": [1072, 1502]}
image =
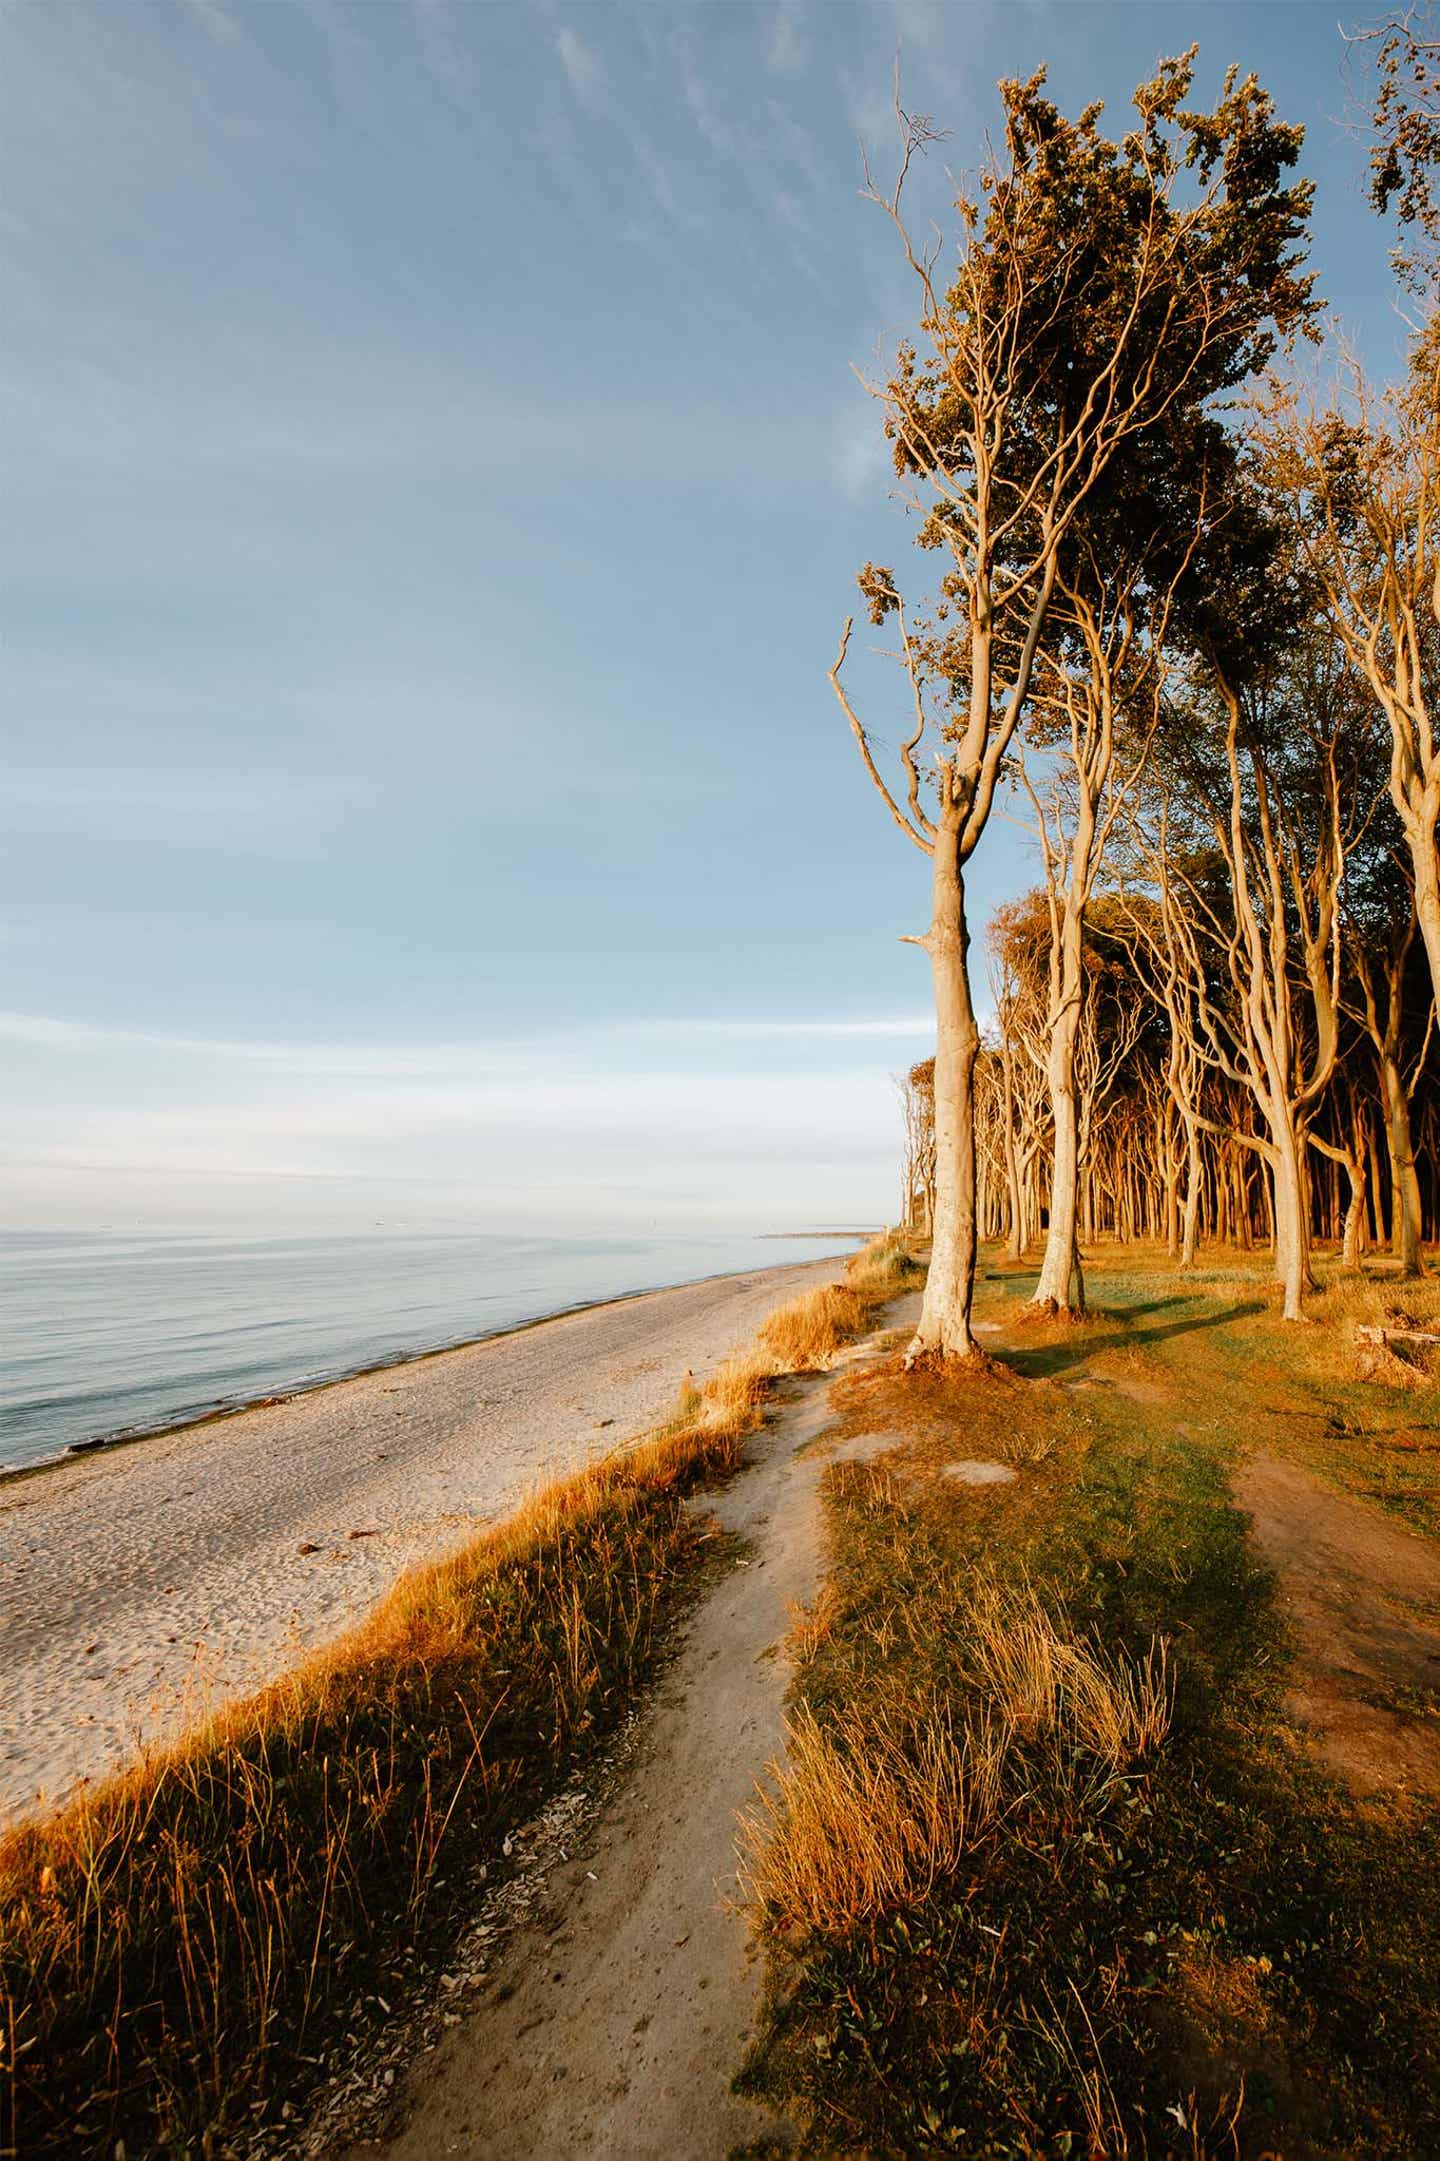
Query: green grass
{"type": "Point", "coordinates": [1216, 1951]}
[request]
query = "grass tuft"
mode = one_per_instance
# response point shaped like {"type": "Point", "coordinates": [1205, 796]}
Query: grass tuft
{"type": "Point", "coordinates": [1026, 1887]}
{"type": "Point", "coordinates": [180, 1945]}
{"type": "Point", "coordinates": [805, 1335]}
{"type": "Point", "coordinates": [878, 1804]}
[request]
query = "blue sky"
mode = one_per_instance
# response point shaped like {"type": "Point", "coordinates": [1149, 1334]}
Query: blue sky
{"type": "Point", "coordinates": [434, 477]}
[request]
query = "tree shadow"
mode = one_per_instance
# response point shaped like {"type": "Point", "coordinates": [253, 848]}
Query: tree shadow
{"type": "Point", "coordinates": [1045, 1361]}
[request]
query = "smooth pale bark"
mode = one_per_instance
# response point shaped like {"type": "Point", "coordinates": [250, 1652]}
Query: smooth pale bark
{"type": "Point", "coordinates": [1427, 897]}
{"type": "Point", "coordinates": [1015, 1244]}
{"type": "Point", "coordinates": [1292, 1218]}
{"type": "Point", "coordinates": [1352, 1160]}
{"type": "Point", "coordinates": [1354, 1214]}
{"type": "Point", "coordinates": [1194, 1174]}
{"type": "Point", "coordinates": [1244, 1216]}
{"type": "Point", "coordinates": [944, 1328]}
{"type": "Point", "coordinates": [1380, 1220]}
{"type": "Point", "coordinates": [1169, 1213]}
{"type": "Point", "coordinates": [1062, 1283]}
{"type": "Point", "coordinates": [1404, 1183]}
{"type": "Point", "coordinates": [1416, 796]}
{"type": "Point", "coordinates": [1385, 1035]}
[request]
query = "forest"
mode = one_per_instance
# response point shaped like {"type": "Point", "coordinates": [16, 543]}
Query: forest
{"type": "Point", "coordinates": [995, 1710]}
{"type": "Point", "coordinates": [1178, 613]}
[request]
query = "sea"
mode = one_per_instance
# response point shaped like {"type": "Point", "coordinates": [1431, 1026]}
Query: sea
{"type": "Point", "coordinates": [107, 1334]}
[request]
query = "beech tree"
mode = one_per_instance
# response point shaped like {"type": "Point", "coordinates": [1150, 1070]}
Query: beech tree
{"type": "Point", "coordinates": [917, 1109]}
{"type": "Point", "coordinates": [1018, 988]}
{"type": "Point", "coordinates": [1380, 925]}
{"type": "Point", "coordinates": [1405, 138]}
{"type": "Point", "coordinates": [1095, 708]}
{"type": "Point", "coordinates": [1101, 290]}
{"type": "Point", "coordinates": [1364, 474]}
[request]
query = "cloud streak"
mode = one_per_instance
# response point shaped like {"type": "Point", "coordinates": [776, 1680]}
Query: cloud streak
{"type": "Point", "coordinates": [584, 69]}
{"type": "Point", "coordinates": [419, 1062]}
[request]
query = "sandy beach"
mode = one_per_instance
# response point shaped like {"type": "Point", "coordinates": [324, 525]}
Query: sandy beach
{"type": "Point", "coordinates": [139, 1583]}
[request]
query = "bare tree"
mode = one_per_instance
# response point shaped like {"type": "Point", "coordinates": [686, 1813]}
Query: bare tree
{"type": "Point", "coordinates": [1101, 289]}
{"type": "Point", "coordinates": [1097, 698]}
{"type": "Point", "coordinates": [1364, 472]}
{"type": "Point", "coordinates": [917, 1106]}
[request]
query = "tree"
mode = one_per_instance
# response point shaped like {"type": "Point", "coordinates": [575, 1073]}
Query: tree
{"type": "Point", "coordinates": [1097, 698]}
{"type": "Point", "coordinates": [1256, 908]}
{"type": "Point", "coordinates": [1379, 905]}
{"type": "Point", "coordinates": [1099, 294]}
{"type": "Point", "coordinates": [1364, 476]}
{"type": "Point", "coordinates": [917, 1108]}
{"type": "Point", "coordinates": [1405, 129]}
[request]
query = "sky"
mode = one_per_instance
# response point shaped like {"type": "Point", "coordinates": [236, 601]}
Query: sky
{"type": "Point", "coordinates": [434, 471]}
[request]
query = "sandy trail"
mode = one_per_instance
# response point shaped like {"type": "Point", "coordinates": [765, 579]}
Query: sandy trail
{"type": "Point", "coordinates": [1363, 1594]}
{"type": "Point", "coordinates": [139, 1583]}
{"type": "Point", "coordinates": [617, 2032]}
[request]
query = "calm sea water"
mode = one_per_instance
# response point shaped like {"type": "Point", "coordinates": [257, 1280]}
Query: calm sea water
{"type": "Point", "coordinates": [105, 1333]}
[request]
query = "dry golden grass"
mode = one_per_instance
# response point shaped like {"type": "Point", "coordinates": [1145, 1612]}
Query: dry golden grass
{"type": "Point", "coordinates": [1376, 1298]}
{"type": "Point", "coordinates": [1041, 1680]}
{"type": "Point", "coordinates": [874, 1806]}
{"type": "Point", "coordinates": [178, 1944]}
{"type": "Point", "coordinates": [805, 1335]}
{"type": "Point", "coordinates": [867, 1815]}
{"type": "Point", "coordinates": [883, 1267]}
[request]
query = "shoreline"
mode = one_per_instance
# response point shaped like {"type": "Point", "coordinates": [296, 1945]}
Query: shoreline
{"type": "Point", "coordinates": [218, 1414]}
{"type": "Point", "coordinates": [146, 1583]}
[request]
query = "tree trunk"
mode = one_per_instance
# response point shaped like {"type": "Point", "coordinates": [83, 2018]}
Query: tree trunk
{"type": "Point", "coordinates": [1292, 1225]}
{"type": "Point", "coordinates": [1170, 1174]}
{"type": "Point", "coordinates": [1404, 1184]}
{"type": "Point", "coordinates": [950, 1285]}
{"type": "Point", "coordinates": [1015, 1244]}
{"type": "Point", "coordinates": [1377, 1195]}
{"type": "Point", "coordinates": [1062, 1284]}
{"type": "Point", "coordinates": [1418, 815]}
{"type": "Point", "coordinates": [1244, 1212]}
{"type": "Point", "coordinates": [1190, 1227]}
{"type": "Point", "coordinates": [1350, 1237]}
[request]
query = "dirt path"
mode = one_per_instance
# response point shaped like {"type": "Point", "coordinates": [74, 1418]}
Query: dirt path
{"type": "Point", "coordinates": [1363, 1595]}
{"type": "Point", "coordinates": [617, 2033]}
{"type": "Point", "coordinates": [141, 1583]}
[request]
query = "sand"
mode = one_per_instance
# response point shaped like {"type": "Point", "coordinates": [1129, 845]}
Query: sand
{"type": "Point", "coordinates": [141, 1583]}
{"type": "Point", "coordinates": [1362, 1593]}
{"type": "Point", "coordinates": [617, 2018]}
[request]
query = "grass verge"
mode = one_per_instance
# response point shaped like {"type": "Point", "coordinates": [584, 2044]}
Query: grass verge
{"type": "Point", "coordinates": [1048, 1872]}
{"type": "Point", "coordinates": [181, 1946]}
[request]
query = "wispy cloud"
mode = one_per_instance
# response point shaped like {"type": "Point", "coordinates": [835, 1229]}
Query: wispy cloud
{"type": "Point", "coordinates": [725, 137]}
{"type": "Point", "coordinates": [861, 456]}
{"type": "Point", "coordinates": [153, 792]}
{"type": "Point", "coordinates": [584, 68]}
{"type": "Point", "coordinates": [657, 177]}
{"type": "Point", "coordinates": [663, 1118]}
{"type": "Point", "coordinates": [219, 26]}
{"type": "Point", "coordinates": [439, 26]}
{"type": "Point", "coordinates": [421, 1062]}
{"type": "Point", "coordinates": [785, 47]}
